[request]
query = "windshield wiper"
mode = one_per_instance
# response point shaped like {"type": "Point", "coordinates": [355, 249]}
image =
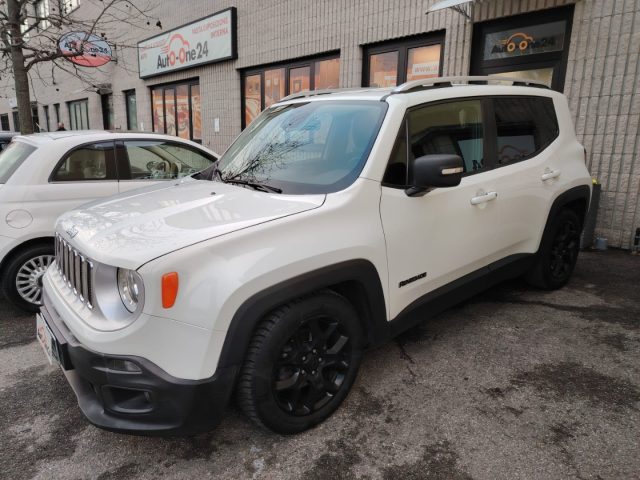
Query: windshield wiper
{"type": "Point", "coordinates": [255, 185]}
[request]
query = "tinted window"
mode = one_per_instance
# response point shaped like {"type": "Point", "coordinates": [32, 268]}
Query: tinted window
{"type": "Point", "coordinates": [525, 126]}
{"type": "Point", "coordinates": [12, 157]}
{"type": "Point", "coordinates": [163, 160]}
{"type": "Point", "coordinates": [90, 162]}
{"type": "Point", "coordinates": [445, 128]}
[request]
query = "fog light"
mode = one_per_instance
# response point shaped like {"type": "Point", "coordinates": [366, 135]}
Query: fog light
{"type": "Point", "coordinates": [122, 365]}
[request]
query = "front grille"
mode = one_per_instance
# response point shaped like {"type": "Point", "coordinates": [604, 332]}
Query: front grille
{"type": "Point", "coordinates": [76, 270]}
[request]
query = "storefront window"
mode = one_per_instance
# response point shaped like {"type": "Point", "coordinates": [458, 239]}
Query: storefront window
{"type": "Point", "coordinates": [392, 63]}
{"type": "Point", "coordinates": [383, 69]}
{"type": "Point", "coordinates": [182, 112]}
{"type": "Point", "coordinates": [157, 106]}
{"type": "Point", "coordinates": [251, 98]}
{"type": "Point", "coordinates": [299, 79]}
{"type": "Point", "coordinates": [107, 111]}
{"type": "Point", "coordinates": [327, 74]}
{"type": "Point", "coordinates": [423, 62]}
{"type": "Point", "coordinates": [176, 110]}
{"type": "Point", "coordinates": [274, 86]}
{"type": "Point", "coordinates": [265, 86]}
{"type": "Point", "coordinates": [532, 46]}
{"type": "Point", "coordinates": [196, 113]}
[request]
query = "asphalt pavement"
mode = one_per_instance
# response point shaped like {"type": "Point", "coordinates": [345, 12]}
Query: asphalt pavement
{"type": "Point", "coordinates": [513, 384]}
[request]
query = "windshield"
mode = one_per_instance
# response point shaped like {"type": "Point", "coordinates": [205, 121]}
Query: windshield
{"type": "Point", "coordinates": [313, 147]}
{"type": "Point", "coordinates": [12, 157]}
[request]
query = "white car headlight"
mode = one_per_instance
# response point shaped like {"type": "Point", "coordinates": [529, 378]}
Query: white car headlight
{"type": "Point", "coordinates": [130, 287]}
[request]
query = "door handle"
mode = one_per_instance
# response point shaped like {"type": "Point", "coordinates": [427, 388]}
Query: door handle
{"type": "Point", "coordinates": [549, 174]}
{"type": "Point", "coordinates": [486, 197]}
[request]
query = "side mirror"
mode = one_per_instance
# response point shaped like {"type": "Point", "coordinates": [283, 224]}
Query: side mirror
{"type": "Point", "coordinates": [434, 171]}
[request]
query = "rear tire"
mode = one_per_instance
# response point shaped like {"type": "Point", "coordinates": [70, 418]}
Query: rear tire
{"type": "Point", "coordinates": [22, 276]}
{"type": "Point", "coordinates": [301, 363]}
{"type": "Point", "coordinates": [558, 252]}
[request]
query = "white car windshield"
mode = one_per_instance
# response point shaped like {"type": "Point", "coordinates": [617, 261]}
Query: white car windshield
{"type": "Point", "coordinates": [303, 148]}
{"type": "Point", "coordinates": [12, 157]}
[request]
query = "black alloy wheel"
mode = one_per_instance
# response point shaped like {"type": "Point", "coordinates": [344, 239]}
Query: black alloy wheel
{"type": "Point", "coordinates": [564, 251]}
{"type": "Point", "coordinates": [301, 363]}
{"type": "Point", "coordinates": [312, 366]}
{"type": "Point", "coordinates": [558, 252]}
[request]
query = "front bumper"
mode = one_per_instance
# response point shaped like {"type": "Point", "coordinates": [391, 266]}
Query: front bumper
{"type": "Point", "coordinates": [144, 402]}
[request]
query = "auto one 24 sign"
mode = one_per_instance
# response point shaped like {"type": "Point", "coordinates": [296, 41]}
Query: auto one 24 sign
{"type": "Point", "coordinates": [211, 39]}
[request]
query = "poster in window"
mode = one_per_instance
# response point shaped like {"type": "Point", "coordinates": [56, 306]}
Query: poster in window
{"type": "Point", "coordinates": [517, 42]}
{"type": "Point", "coordinates": [327, 74]}
{"type": "Point", "coordinates": [273, 86]}
{"type": "Point", "coordinates": [383, 69]}
{"type": "Point", "coordinates": [158, 111]}
{"type": "Point", "coordinates": [423, 62]}
{"type": "Point", "coordinates": [196, 115]}
{"type": "Point", "coordinates": [170, 111]}
{"type": "Point", "coordinates": [299, 79]}
{"type": "Point", "coordinates": [182, 112]}
{"type": "Point", "coordinates": [251, 98]}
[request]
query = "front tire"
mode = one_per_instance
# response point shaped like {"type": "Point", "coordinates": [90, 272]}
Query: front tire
{"type": "Point", "coordinates": [22, 276]}
{"type": "Point", "coordinates": [301, 363]}
{"type": "Point", "coordinates": [558, 252]}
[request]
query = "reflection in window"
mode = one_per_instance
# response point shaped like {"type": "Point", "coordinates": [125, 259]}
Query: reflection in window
{"type": "Point", "coordinates": [449, 128]}
{"type": "Point", "coordinates": [299, 79]}
{"type": "Point", "coordinates": [274, 84]}
{"type": "Point", "coordinates": [423, 62]}
{"type": "Point", "coordinates": [163, 160]}
{"type": "Point", "coordinates": [327, 74]}
{"type": "Point", "coordinates": [177, 111]}
{"type": "Point", "coordinates": [251, 98]}
{"type": "Point", "coordinates": [158, 110]}
{"type": "Point", "coordinates": [86, 163]}
{"type": "Point", "coordinates": [383, 69]}
{"type": "Point", "coordinates": [524, 126]}
{"type": "Point", "coordinates": [267, 86]}
{"type": "Point", "coordinates": [79, 115]}
{"type": "Point", "coordinates": [182, 110]}
{"type": "Point", "coordinates": [196, 112]}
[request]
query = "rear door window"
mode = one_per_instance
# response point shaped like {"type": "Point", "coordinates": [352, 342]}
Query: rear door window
{"type": "Point", "coordinates": [524, 126]}
{"type": "Point", "coordinates": [89, 162]}
{"type": "Point", "coordinates": [12, 157]}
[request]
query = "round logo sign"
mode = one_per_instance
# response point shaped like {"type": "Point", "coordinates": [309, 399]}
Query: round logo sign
{"type": "Point", "coordinates": [84, 49]}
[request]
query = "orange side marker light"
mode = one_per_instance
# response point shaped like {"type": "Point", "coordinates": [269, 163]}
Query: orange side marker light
{"type": "Point", "coordinates": [169, 289]}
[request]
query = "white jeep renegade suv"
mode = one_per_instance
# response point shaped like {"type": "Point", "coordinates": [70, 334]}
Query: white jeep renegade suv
{"type": "Point", "coordinates": [334, 222]}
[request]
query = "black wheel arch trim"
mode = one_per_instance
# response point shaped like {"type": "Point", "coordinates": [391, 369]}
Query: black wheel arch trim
{"type": "Point", "coordinates": [581, 192]}
{"type": "Point", "coordinates": [350, 278]}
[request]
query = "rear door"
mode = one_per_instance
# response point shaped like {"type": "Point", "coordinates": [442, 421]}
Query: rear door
{"type": "Point", "coordinates": [526, 172]}
{"type": "Point", "coordinates": [144, 162]}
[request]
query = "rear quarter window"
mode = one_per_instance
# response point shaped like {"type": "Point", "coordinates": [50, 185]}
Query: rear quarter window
{"type": "Point", "coordinates": [525, 126]}
{"type": "Point", "coordinates": [12, 157]}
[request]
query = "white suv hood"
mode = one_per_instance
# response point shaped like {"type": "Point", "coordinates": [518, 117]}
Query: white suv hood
{"type": "Point", "coordinates": [131, 229]}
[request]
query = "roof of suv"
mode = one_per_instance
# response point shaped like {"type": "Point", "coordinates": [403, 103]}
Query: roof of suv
{"type": "Point", "coordinates": [370, 93]}
{"type": "Point", "coordinates": [39, 139]}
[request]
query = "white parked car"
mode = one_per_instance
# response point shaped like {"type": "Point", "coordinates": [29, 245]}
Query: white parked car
{"type": "Point", "coordinates": [332, 223]}
{"type": "Point", "coordinates": [44, 175]}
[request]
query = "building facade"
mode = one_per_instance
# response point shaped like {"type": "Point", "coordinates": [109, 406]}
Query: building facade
{"type": "Point", "coordinates": [258, 52]}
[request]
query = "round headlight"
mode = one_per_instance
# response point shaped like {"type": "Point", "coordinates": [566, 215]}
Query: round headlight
{"type": "Point", "coordinates": [130, 288]}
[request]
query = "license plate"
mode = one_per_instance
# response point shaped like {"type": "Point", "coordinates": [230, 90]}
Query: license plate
{"type": "Point", "coordinates": [47, 341]}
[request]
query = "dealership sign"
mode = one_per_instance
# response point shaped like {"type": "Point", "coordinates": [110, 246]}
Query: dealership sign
{"type": "Point", "coordinates": [542, 38]}
{"type": "Point", "coordinates": [84, 49]}
{"type": "Point", "coordinates": [211, 39]}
